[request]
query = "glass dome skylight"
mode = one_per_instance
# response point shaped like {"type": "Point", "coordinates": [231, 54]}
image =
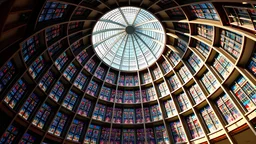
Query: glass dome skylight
{"type": "Point", "coordinates": [128, 38]}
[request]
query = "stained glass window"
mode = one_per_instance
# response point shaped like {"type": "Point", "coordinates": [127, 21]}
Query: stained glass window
{"type": "Point", "coordinates": [76, 45]}
{"type": "Point", "coordinates": [100, 73]}
{"type": "Point", "coordinates": [174, 57]}
{"type": "Point", "coordinates": [170, 108]}
{"type": "Point", "coordinates": [16, 93]}
{"type": "Point", "coordinates": [193, 126]}
{"type": "Point", "coordinates": [138, 114]}
{"type": "Point", "coordinates": [161, 134]}
{"type": "Point", "coordinates": [99, 112]}
{"type": "Point", "coordinates": [181, 27]}
{"type": "Point", "coordinates": [203, 48]}
{"type": "Point", "coordinates": [117, 117]}
{"type": "Point", "coordinates": [137, 96]}
{"type": "Point", "coordinates": [205, 31]}
{"type": "Point", "coordinates": [90, 65]}
{"type": "Point", "coordinates": [115, 137]}
{"type": "Point", "coordinates": [231, 42]}
{"type": "Point", "coordinates": [57, 91]}
{"type": "Point", "coordinates": [111, 77]}
{"type": "Point", "coordinates": [252, 64]}
{"type": "Point", "coordinates": [92, 134]}
{"type": "Point", "coordinates": [163, 89]}
{"type": "Point", "coordinates": [113, 95]}
{"type": "Point", "coordinates": [53, 49]}
{"type": "Point", "coordinates": [150, 136]}
{"type": "Point", "coordinates": [148, 94]}
{"type": "Point", "coordinates": [128, 97]}
{"type": "Point", "coordinates": [155, 112]}
{"type": "Point", "coordinates": [46, 81]}
{"type": "Point", "coordinates": [182, 45]}
{"type": "Point", "coordinates": [129, 116]}
{"type": "Point", "coordinates": [174, 82]}
{"type": "Point", "coordinates": [104, 137]}
{"type": "Point", "coordinates": [74, 25]}
{"type": "Point", "coordinates": [222, 66]}
{"type": "Point", "coordinates": [6, 74]}
{"type": "Point", "coordinates": [52, 10]}
{"type": "Point", "coordinates": [121, 80]}
{"type": "Point", "coordinates": [29, 106]}
{"type": "Point", "coordinates": [209, 81]}
{"type": "Point", "coordinates": [82, 56]}
{"type": "Point", "coordinates": [58, 124]}
{"type": "Point", "coordinates": [210, 119]}
{"type": "Point", "coordinates": [42, 116]}
{"type": "Point", "coordinates": [80, 81]}
{"type": "Point", "coordinates": [178, 133]}
{"type": "Point", "coordinates": [140, 136]}
{"type": "Point", "coordinates": [128, 136]}
{"type": "Point", "coordinates": [204, 11]}
{"type": "Point", "coordinates": [61, 61]}
{"type": "Point", "coordinates": [28, 139]}
{"type": "Point", "coordinates": [227, 108]}
{"type": "Point", "coordinates": [70, 71]}
{"type": "Point", "coordinates": [36, 67]}
{"type": "Point", "coordinates": [166, 66]}
{"type": "Point", "coordinates": [75, 130]}
{"type": "Point", "coordinates": [196, 93]}
{"type": "Point", "coordinates": [136, 80]}
{"type": "Point", "coordinates": [195, 62]}
{"type": "Point", "coordinates": [119, 96]}
{"type": "Point", "coordinates": [82, 12]}
{"type": "Point", "coordinates": [70, 100]}
{"type": "Point", "coordinates": [147, 114]}
{"type": "Point", "coordinates": [10, 135]}
{"type": "Point", "coordinates": [53, 32]}
{"type": "Point", "coordinates": [129, 81]}
{"type": "Point", "coordinates": [146, 78]}
{"type": "Point", "coordinates": [108, 115]}
{"type": "Point", "coordinates": [92, 88]}
{"type": "Point", "coordinates": [245, 93]}
{"type": "Point", "coordinates": [175, 13]}
{"type": "Point", "coordinates": [30, 47]}
{"type": "Point", "coordinates": [84, 107]}
{"type": "Point", "coordinates": [185, 74]}
{"type": "Point", "coordinates": [105, 93]}
{"type": "Point", "coordinates": [183, 102]}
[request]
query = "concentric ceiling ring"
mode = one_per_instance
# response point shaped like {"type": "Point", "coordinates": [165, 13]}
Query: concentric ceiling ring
{"type": "Point", "coordinates": [128, 38]}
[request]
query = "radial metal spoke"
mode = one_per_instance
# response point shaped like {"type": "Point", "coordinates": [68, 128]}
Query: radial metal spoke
{"type": "Point", "coordinates": [150, 29]}
{"type": "Point", "coordinates": [95, 45]}
{"type": "Point", "coordinates": [155, 40]}
{"type": "Point", "coordinates": [117, 49]}
{"type": "Point", "coordinates": [136, 59]}
{"type": "Point", "coordinates": [146, 22]}
{"type": "Point", "coordinates": [133, 37]}
{"type": "Point", "coordinates": [122, 58]}
{"type": "Point", "coordinates": [107, 30]}
{"type": "Point", "coordinates": [113, 22]}
{"type": "Point", "coordinates": [146, 45]}
{"type": "Point", "coordinates": [136, 18]}
{"type": "Point", "coordinates": [123, 16]}
{"type": "Point", "coordinates": [114, 43]}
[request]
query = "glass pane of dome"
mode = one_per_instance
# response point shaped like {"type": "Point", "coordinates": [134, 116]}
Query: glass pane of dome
{"type": "Point", "coordinates": [128, 38]}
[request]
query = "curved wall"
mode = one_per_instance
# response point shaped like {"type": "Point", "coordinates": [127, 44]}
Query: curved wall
{"type": "Point", "coordinates": [54, 88]}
